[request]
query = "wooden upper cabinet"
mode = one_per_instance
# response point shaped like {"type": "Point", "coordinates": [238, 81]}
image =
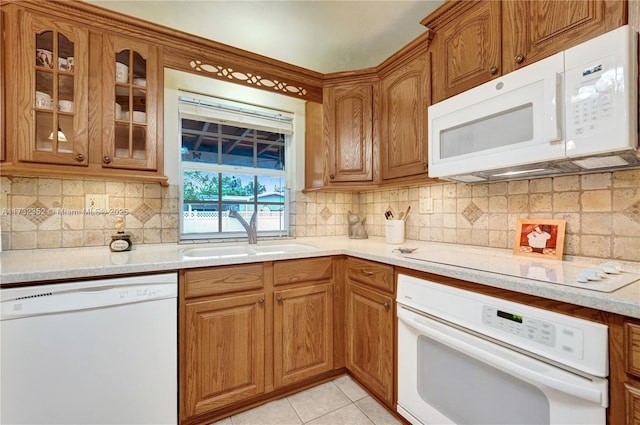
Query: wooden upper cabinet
{"type": "Point", "coordinates": [467, 50]}
{"type": "Point", "coordinates": [130, 92]}
{"type": "Point", "coordinates": [348, 133]}
{"type": "Point", "coordinates": [533, 30]}
{"type": "Point", "coordinates": [50, 88]}
{"type": "Point", "coordinates": [405, 96]}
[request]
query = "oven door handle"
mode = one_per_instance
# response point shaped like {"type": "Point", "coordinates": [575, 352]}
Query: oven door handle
{"type": "Point", "coordinates": [509, 361]}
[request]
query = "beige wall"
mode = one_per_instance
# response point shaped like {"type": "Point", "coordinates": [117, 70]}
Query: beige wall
{"type": "Point", "coordinates": [602, 212]}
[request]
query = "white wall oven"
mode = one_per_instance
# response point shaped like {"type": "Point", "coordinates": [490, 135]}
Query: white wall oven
{"type": "Point", "coordinates": [466, 358]}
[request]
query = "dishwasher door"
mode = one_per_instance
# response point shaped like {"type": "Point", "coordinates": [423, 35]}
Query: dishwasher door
{"type": "Point", "coordinates": [96, 352]}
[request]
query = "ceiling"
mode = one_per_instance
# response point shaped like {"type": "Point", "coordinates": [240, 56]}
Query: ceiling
{"type": "Point", "coordinates": [320, 35]}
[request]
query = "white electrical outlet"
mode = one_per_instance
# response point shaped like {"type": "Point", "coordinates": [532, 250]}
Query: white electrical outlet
{"type": "Point", "coordinates": [95, 201]}
{"type": "Point", "coordinates": [426, 206]}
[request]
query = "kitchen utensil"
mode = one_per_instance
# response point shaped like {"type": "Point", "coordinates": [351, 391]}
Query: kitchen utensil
{"type": "Point", "coordinates": [388, 214]}
{"type": "Point", "coordinates": [403, 216]}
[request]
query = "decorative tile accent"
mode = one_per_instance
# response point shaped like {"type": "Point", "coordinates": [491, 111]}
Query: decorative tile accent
{"type": "Point", "coordinates": [144, 213]}
{"type": "Point", "coordinates": [472, 213]}
{"type": "Point", "coordinates": [37, 213]}
{"type": "Point", "coordinates": [633, 212]}
{"type": "Point", "coordinates": [326, 213]}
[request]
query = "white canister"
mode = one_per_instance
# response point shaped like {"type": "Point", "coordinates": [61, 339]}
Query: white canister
{"type": "Point", "coordinates": [122, 72]}
{"type": "Point", "coordinates": [118, 111]}
{"type": "Point", "coordinates": [394, 231]}
{"type": "Point", "coordinates": [43, 100]}
{"type": "Point", "coordinates": [65, 106]}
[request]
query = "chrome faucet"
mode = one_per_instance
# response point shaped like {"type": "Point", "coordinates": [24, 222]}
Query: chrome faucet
{"type": "Point", "coordinates": [249, 227]}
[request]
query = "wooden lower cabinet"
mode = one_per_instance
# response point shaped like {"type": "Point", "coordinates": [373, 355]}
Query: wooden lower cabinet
{"type": "Point", "coordinates": [303, 333]}
{"type": "Point", "coordinates": [370, 340]}
{"type": "Point", "coordinates": [223, 352]}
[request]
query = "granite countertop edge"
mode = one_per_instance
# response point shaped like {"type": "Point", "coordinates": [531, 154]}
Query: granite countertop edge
{"type": "Point", "coordinates": [46, 265]}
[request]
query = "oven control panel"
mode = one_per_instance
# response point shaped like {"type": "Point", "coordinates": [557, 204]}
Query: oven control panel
{"type": "Point", "coordinates": [562, 338]}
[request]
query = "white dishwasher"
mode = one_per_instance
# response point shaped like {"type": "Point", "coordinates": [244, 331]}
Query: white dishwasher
{"type": "Point", "coordinates": [90, 352]}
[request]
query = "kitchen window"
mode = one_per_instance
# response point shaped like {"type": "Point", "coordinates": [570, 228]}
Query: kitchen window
{"type": "Point", "coordinates": [232, 158]}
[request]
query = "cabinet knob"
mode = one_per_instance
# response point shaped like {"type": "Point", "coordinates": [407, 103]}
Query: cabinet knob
{"type": "Point", "coordinates": [425, 165]}
{"type": "Point", "coordinates": [331, 176]}
{"type": "Point", "coordinates": [386, 305]}
{"type": "Point", "coordinates": [106, 159]}
{"type": "Point", "coordinates": [366, 272]}
{"type": "Point", "coordinates": [79, 157]}
{"type": "Point", "coordinates": [493, 70]}
{"type": "Point", "coordinates": [519, 58]}
{"type": "Point", "coordinates": [279, 299]}
{"type": "Point", "coordinates": [261, 300]}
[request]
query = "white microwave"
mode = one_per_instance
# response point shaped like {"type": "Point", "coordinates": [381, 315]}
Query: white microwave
{"type": "Point", "coordinates": [574, 112]}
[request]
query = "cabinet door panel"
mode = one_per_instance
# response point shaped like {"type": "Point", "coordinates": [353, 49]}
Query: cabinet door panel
{"type": "Point", "coordinates": [370, 340]}
{"type": "Point", "coordinates": [467, 51]}
{"type": "Point", "coordinates": [349, 133]}
{"type": "Point", "coordinates": [130, 91]}
{"type": "Point", "coordinates": [405, 97]}
{"type": "Point", "coordinates": [303, 333]}
{"type": "Point", "coordinates": [51, 110]}
{"type": "Point", "coordinates": [223, 352]}
{"type": "Point", "coordinates": [533, 30]}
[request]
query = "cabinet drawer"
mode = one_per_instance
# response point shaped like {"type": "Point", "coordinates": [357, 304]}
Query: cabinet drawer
{"type": "Point", "coordinates": [220, 280]}
{"type": "Point", "coordinates": [371, 273]}
{"type": "Point", "coordinates": [632, 347]}
{"type": "Point", "coordinates": [305, 270]}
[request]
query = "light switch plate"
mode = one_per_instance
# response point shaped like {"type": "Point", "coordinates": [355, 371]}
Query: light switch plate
{"type": "Point", "coordinates": [96, 201]}
{"type": "Point", "coordinates": [426, 206]}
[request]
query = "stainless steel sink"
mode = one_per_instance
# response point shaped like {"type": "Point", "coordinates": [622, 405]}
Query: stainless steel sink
{"type": "Point", "coordinates": [228, 251]}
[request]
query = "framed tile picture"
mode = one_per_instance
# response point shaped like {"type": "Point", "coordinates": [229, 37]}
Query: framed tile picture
{"type": "Point", "coordinates": [541, 238]}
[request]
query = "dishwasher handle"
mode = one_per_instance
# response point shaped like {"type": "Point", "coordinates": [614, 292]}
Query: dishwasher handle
{"type": "Point", "coordinates": [509, 361]}
{"type": "Point", "coordinates": [77, 296]}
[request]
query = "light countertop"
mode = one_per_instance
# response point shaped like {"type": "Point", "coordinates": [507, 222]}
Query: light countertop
{"type": "Point", "coordinates": [19, 267]}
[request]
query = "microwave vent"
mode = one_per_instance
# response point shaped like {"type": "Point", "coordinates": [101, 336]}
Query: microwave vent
{"type": "Point", "coordinates": [601, 162]}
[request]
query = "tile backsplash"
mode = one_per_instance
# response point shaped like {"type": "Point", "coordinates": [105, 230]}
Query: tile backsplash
{"type": "Point", "coordinates": [51, 212]}
{"type": "Point", "coordinates": [602, 212]}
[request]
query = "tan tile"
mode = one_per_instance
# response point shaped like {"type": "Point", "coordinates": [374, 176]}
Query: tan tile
{"type": "Point", "coordinates": [480, 237]}
{"type": "Point", "coordinates": [499, 188]}
{"type": "Point", "coordinates": [348, 415]}
{"type": "Point", "coordinates": [152, 236]}
{"type": "Point", "coordinates": [596, 200]}
{"type": "Point", "coordinates": [318, 401]}
{"type": "Point", "coordinates": [463, 190]}
{"type": "Point", "coordinates": [573, 221]}
{"type": "Point", "coordinates": [541, 185]}
{"type": "Point", "coordinates": [449, 221]}
{"type": "Point", "coordinates": [376, 413]}
{"type": "Point", "coordinates": [625, 197]}
{"type": "Point", "coordinates": [571, 245]}
{"type": "Point", "coordinates": [595, 246]}
{"type": "Point", "coordinates": [626, 248]}
{"type": "Point", "coordinates": [480, 190]}
{"type": "Point", "coordinates": [626, 178]}
{"type": "Point", "coordinates": [20, 223]}
{"type": "Point", "coordinates": [596, 181]}
{"type": "Point", "coordinates": [541, 202]}
{"type": "Point", "coordinates": [134, 190]}
{"type": "Point", "coordinates": [566, 183]}
{"type": "Point", "coordinates": [169, 235]}
{"type": "Point", "coordinates": [152, 190]}
{"type": "Point", "coordinates": [5, 184]}
{"type": "Point", "coordinates": [94, 186]}
{"type": "Point", "coordinates": [72, 238]}
{"type": "Point", "coordinates": [49, 239]}
{"type": "Point", "coordinates": [498, 203]}
{"type": "Point", "coordinates": [463, 236]}
{"type": "Point", "coordinates": [566, 201]}
{"type": "Point", "coordinates": [498, 221]}
{"type": "Point", "coordinates": [449, 190]}
{"type": "Point", "coordinates": [23, 240]}
{"type": "Point", "coordinates": [498, 238]}
{"type": "Point", "coordinates": [449, 205]}
{"type": "Point", "coordinates": [72, 187]}
{"type": "Point", "coordinates": [24, 186]}
{"type": "Point", "coordinates": [115, 189]}
{"type": "Point", "coordinates": [596, 223]}
{"type": "Point", "coordinates": [94, 238]}
{"type": "Point", "coordinates": [624, 225]}
{"type": "Point", "coordinates": [49, 186]}
{"type": "Point", "coordinates": [6, 241]}
{"type": "Point", "coordinates": [274, 413]}
{"type": "Point", "coordinates": [518, 187]}
{"type": "Point", "coordinates": [518, 203]}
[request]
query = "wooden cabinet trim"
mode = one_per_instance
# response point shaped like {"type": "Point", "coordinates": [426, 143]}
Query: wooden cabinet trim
{"type": "Point", "coordinates": [632, 348]}
{"type": "Point", "coordinates": [371, 273]}
{"type": "Point", "coordinates": [223, 279]}
{"type": "Point", "coordinates": [303, 270]}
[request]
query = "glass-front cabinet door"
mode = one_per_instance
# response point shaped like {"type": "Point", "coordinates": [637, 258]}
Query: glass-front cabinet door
{"type": "Point", "coordinates": [53, 127]}
{"type": "Point", "coordinates": [130, 92]}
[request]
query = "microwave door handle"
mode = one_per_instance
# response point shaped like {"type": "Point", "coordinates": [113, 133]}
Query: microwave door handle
{"type": "Point", "coordinates": [505, 359]}
{"type": "Point", "coordinates": [556, 111]}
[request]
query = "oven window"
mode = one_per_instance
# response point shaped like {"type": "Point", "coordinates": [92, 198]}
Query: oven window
{"type": "Point", "coordinates": [469, 391]}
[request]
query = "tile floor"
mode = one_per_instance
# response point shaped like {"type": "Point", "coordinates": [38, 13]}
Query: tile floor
{"type": "Point", "coordinates": [337, 402]}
